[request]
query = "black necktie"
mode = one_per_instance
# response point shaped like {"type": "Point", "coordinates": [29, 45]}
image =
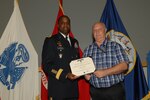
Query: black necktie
{"type": "Point", "coordinates": [67, 40]}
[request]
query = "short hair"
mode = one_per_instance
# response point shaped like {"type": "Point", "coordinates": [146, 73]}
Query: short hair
{"type": "Point", "coordinates": [60, 18]}
{"type": "Point", "coordinates": [102, 24]}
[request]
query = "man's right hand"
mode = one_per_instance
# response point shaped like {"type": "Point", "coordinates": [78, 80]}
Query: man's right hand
{"type": "Point", "coordinates": [71, 76]}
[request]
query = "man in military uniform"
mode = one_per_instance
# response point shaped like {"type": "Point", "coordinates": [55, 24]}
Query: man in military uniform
{"type": "Point", "coordinates": [58, 51]}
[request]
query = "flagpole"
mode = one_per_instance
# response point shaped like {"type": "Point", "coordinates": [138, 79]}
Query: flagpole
{"type": "Point", "coordinates": [17, 1]}
{"type": "Point", "coordinates": [60, 6]}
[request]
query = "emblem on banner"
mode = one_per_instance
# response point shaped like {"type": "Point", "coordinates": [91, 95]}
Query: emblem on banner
{"type": "Point", "coordinates": [125, 42]}
{"type": "Point", "coordinates": [12, 64]}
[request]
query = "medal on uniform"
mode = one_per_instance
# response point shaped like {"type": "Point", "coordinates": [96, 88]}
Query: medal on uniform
{"type": "Point", "coordinates": [60, 55]}
{"type": "Point", "coordinates": [60, 49]}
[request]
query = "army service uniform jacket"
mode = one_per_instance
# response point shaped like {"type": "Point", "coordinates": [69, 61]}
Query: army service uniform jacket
{"type": "Point", "coordinates": [56, 55]}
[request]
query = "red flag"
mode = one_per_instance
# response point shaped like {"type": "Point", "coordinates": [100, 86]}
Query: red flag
{"type": "Point", "coordinates": [60, 13]}
{"type": "Point", "coordinates": [82, 84]}
{"type": "Point", "coordinates": [44, 86]}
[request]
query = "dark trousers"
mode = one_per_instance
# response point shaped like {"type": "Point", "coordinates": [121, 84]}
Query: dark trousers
{"type": "Point", "coordinates": [58, 98]}
{"type": "Point", "coordinates": [115, 92]}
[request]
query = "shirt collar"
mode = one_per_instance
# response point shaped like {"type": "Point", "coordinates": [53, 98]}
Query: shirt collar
{"type": "Point", "coordinates": [64, 35]}
{"type": "Point", "coordinates": [104, 42]}
{"type": "Point", "coordinates": [103, 45]}
{"type": "Point", "coordinates": [68, 38]}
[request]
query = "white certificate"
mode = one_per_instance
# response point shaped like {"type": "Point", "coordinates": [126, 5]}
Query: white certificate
{"type": "Point", "coordinates": [82, 66]}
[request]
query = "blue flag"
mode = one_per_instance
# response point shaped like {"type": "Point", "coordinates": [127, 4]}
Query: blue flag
{"type": "Point", "coordinates": [148, 69]}
{"type": "Point", "coordinates": [135, 82]}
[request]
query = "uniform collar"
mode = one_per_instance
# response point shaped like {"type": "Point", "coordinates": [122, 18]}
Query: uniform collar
{"type": "Point", "coordinates": [68, 38]}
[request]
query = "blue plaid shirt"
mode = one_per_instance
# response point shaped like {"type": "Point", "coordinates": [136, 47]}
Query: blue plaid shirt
{"type": "Point", "coordinates": [106, 56]}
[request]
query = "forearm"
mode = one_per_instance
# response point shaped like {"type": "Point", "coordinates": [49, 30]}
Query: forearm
{"type": "Point", "coordinates": [120, 68]}
{"type": "Point", "coordinates": [117, 69]}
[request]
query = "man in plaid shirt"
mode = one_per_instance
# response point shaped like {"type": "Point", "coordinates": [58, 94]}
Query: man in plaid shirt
{"type": "Point", "coordinates": [110, 61]}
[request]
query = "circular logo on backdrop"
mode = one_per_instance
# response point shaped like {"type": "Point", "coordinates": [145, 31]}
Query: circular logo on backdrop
{"type": "Point", "coordinates": [125, 42]}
